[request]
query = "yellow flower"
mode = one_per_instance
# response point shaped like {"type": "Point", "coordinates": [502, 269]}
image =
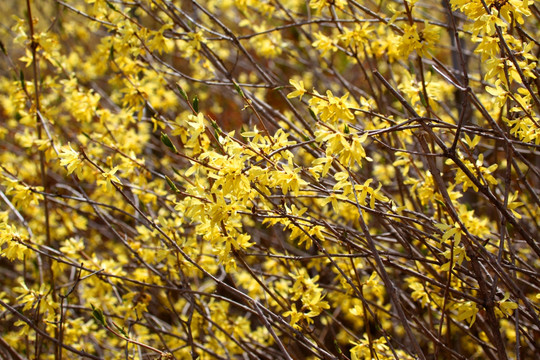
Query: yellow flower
{"type": "Point", "coordinates": [300, 89]}
{"type": "Point", "coordinates": [295, 315]}
{"type": "Point", "coordinates": [70, 158]}
{"type": "Point", "coordinates": [318, 5]}
{"type": "Point", "coordinates": [421, 41]}
{"type": "Point", "coordinates": [108, 179]}
{"type": "Point", "coordinates": [466, 310]}
{"type": "Point", "coordinates": [324, 43]}
{"type": "Point", "coordinates": [504, 307]}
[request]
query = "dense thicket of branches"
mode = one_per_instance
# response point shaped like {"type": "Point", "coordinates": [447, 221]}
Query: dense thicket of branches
{"type": "Point", "coordinates": [242, 179]}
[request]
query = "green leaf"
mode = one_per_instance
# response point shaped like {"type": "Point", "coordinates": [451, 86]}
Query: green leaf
{"type": "Point", "coordinates": [347, 130]}
{"type": "Point", "coordinates": [110, 6]}
{"type": "Point", "coordinates": [122, 331]}
{"type": "Point", "coordinates": [196, 104]}
{"type": "Point", "coordinates": [238, 89]}
{"type": "Point", "coordinates": [171, 184]}
{"type": "Point", "coordinates": [111, 53]}
{"type": "Point", "coordinates": [336, 344]}
{"type": "Point", "coordinates": [313, 115]}
{"type": "Point", "coordinates": [217, 130]}
{"type": "Point", "coordinates": [165, 140]}
{"type": "Point", "coordinates": [143, 206]}
{"type": "Point", "coordinates": [422, 98]}
{"type": "Point", "coordinates": [3, 48]}
{"type": "Point", "coordinates": [21, 78]}
{"type": "Point", "coordinates": [98, 315]}
{"type": "Point", "coordinates": [182, 92]}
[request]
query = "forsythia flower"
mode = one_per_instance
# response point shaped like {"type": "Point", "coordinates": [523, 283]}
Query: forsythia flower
{"type": "Point", "coordinates": [466, 310]}
{"type": "Point", "coordinates": [296, 317]}
{"type": "Point", "coordinates": [70, 158]}
{"type": "Point", "coordinates": [318, 5]}
{"type": "Point", "coordinates": [108, 178]}
{"type": "Point", "coordinates": [421, 41]}
{"type": "Point", "coordinates": [300, 89]}
{"type": "Point", "coordinates": [504, 307]}
{"type": "Point", "coordinates": [324, 43]}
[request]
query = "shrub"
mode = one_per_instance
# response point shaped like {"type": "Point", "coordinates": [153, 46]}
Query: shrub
{"type": "Point", "coordinates": [324, 179]}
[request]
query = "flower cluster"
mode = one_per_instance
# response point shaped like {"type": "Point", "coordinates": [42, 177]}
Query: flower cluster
{"type": "Point", "coordinates": [219, 179]}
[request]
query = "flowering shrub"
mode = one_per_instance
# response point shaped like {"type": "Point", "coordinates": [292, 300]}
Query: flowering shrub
{"type": "Point", "coordinates": [324, 179]}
